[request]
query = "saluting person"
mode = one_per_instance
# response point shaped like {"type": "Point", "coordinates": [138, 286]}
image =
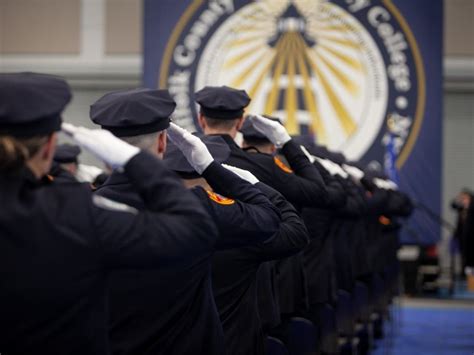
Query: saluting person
{"type": "Point", "coordinates": [172, 311]}
{"type": "Point", "coordinates": [58, 242]}
{"type": "Point", "coordinates": [221, 113]}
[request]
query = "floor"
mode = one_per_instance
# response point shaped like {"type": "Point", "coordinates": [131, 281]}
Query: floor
{"type": "Point", "coordinates": [431, 326]}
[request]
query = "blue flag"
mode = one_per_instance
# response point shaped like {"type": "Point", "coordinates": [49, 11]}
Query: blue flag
{"type": "Point", "coordinates": [390, 161]}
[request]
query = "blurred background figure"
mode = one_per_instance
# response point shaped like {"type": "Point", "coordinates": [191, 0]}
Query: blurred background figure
{"type": "Point", "coordinates": [65, 162]}
{"type": "Point", "coordinates": [66, 167]}
{"type": "Point", "coordinates": [463, 235]}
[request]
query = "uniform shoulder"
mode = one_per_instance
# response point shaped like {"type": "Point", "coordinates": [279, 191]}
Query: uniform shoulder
{"type": "Point", "coordinates": [219, 199]}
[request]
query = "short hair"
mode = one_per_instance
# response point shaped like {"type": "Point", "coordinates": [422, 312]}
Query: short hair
{"type": "Point", "coordinates": [143, 141]}
{"type": "Point", "coordinates": [216, 123]}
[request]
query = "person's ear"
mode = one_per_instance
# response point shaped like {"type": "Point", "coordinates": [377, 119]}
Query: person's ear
{"type": "Point", "coordinates": [202, 121]}
{"type": "Point", "coordinates": [162, 142]}
{"type": "Point", "coordinates": [240, 123]}
{"type": "Point", "coordinates": [49, 148]}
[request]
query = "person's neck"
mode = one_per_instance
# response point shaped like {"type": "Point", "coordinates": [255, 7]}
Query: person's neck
{"type": "Point", "coordinates": [210, 131]}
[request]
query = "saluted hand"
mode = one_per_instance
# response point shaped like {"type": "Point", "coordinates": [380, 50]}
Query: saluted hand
{"type": "Point", "coordinates": [192, 147]}
{"type": "Point", "coordinates": [243, 174]}
{"type": "Point", "coordinates": [332, 167]}
{"type": "Point", "coordinates": [274, 131]}
{"type": "Point", "coordinates": [385, 184]}
{"type": "Point", "coordinates": [103, 144]}
{"type": "Point", "coordinates": [310, 157]}
{"type": "Point", "coordinates": [354, 172]}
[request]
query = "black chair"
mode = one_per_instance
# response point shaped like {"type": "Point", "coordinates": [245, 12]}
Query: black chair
{"type": "Point", "coordinates": [345, 319]}
{"type": "Point", "coordinates": [276, 347]}
{"type": "Point", "coordinates": [302, 337]}
{"type": "Point", "coordinates": [345, 313]}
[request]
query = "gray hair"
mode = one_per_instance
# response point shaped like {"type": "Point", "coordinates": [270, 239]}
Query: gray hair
{"type": "Point", "coordinates": [143, 141]}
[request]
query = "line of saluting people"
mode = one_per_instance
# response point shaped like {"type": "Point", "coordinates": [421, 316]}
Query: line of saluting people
{"type": "Point", "coordinates": [196, 243]}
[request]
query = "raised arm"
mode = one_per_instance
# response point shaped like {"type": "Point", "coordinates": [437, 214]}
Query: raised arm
{"type": "Point", "coordinates": [173, 227]}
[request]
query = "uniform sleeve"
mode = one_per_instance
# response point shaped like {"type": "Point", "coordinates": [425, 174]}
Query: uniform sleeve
{"type": "Point", "coordinates": [300, 163]}
{"type": "Point", "coordinates": [334, 186]}
{"type": "Point", "coordinates": [377, 202]}
{"type": "Point", "coordinates": [356, 204]}
{"type": "Point", "coordinates": [292, 236]}
{"type": "Point", "coordinates": [173, 228]}
{"type": "Point", "coordinates": [249, 219]}
{"type": "Point", "coordinates": [399, 204]}
{"type": "Point", "coordinates": [305, 187]}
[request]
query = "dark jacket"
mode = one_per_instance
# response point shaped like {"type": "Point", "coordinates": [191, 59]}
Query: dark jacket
{"type": "Point", "coordinates": [319, 262]}
{"type": "Point", "coordinates": [234, 275]}
{"type": "Point", "coordinates": [172, 311]}
{"type": "Point", "coordinates": [302, 185]}
{"type": "Point", "coordinates": [58, 242]}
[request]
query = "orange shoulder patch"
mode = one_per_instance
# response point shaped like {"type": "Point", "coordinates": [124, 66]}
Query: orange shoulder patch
{"type": "Point", "coordinates": [282, 165]}
{"type": "Point", "coordinates": [384, 220]}
{"type": "Point", "coordinates": [221, 200]}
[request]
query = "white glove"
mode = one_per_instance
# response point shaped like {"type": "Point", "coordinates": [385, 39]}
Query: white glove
{"type": "Point", "coordinates": [328, 165]}
{"type": "Point", "coordinates": [381, 184]}
{"type": "Point", "coordinates": [332, 167]}
{"type": "Point", "coordinates": [340, 171]}
{"type": "Point", "coordinates": [192, 147]}
{"type": "Point", "coordinates": [391, 185]}
{"type": "Point", "coordinates": [310, 157]}
{"type": "Point", "coordinates": [354, 172]}
{"type": "Point", "coordinates": [385, 184]}
{"type": "Point", "coordinates": [87, 173]}
{"type": "Point", "coordinates": [243, 174]}
{"type": "Point", "coordinates": [103, 144]}
{"type": "Point", "coordinates": [274, 131]}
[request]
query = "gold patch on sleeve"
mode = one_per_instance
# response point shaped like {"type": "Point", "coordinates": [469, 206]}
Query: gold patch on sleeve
{"type": "Point", "coordinates": [282, 165]}
{"type": "Point", "coordinates": [384, 220]}
{"type": "Point", "coordinates": [219, 199]}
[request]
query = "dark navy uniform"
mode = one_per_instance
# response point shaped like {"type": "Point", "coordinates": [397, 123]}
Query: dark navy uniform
{"type": "Point", "coordinates": [58, 242]}
{"type": "Point", "coordinates": [234, 277]}
{"type": "Point", "coordinates": [320, 265]}
{"type": "Point", "coordinates": [308, 191]}
{"type": "Point", "coordinates": [55, 300]}
{"type": "Point", "coordinates": [300, 183]}
{"type": "Point", "coordinates": [173, 311]}
{"type": "Point", "coordinates": [242, 213]}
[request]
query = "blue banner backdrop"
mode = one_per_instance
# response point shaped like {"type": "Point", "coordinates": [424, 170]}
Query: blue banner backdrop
{"type": "Point", "coordinates": [355, 74]}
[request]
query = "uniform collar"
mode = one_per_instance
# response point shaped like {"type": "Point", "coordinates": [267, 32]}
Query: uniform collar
{"type": "Point", "coordinates": [228, 139]}
{"type": "Point", "coordinates": [117, 178]}
{"type": "Point", "coordinates": [26, 176]}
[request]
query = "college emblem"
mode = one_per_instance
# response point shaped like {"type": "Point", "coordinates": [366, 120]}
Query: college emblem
{"type": "Point", "coordinates": [347, 72]}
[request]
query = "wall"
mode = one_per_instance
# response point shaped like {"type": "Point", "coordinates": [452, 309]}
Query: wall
{"type": "Point", "coordinates": [458, 149]}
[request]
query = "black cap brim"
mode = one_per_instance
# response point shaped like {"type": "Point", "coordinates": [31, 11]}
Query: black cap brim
{"type": "Point", "coordinates": [40, 127]}
{"type": "Point", "coordinates": [131, 131]}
